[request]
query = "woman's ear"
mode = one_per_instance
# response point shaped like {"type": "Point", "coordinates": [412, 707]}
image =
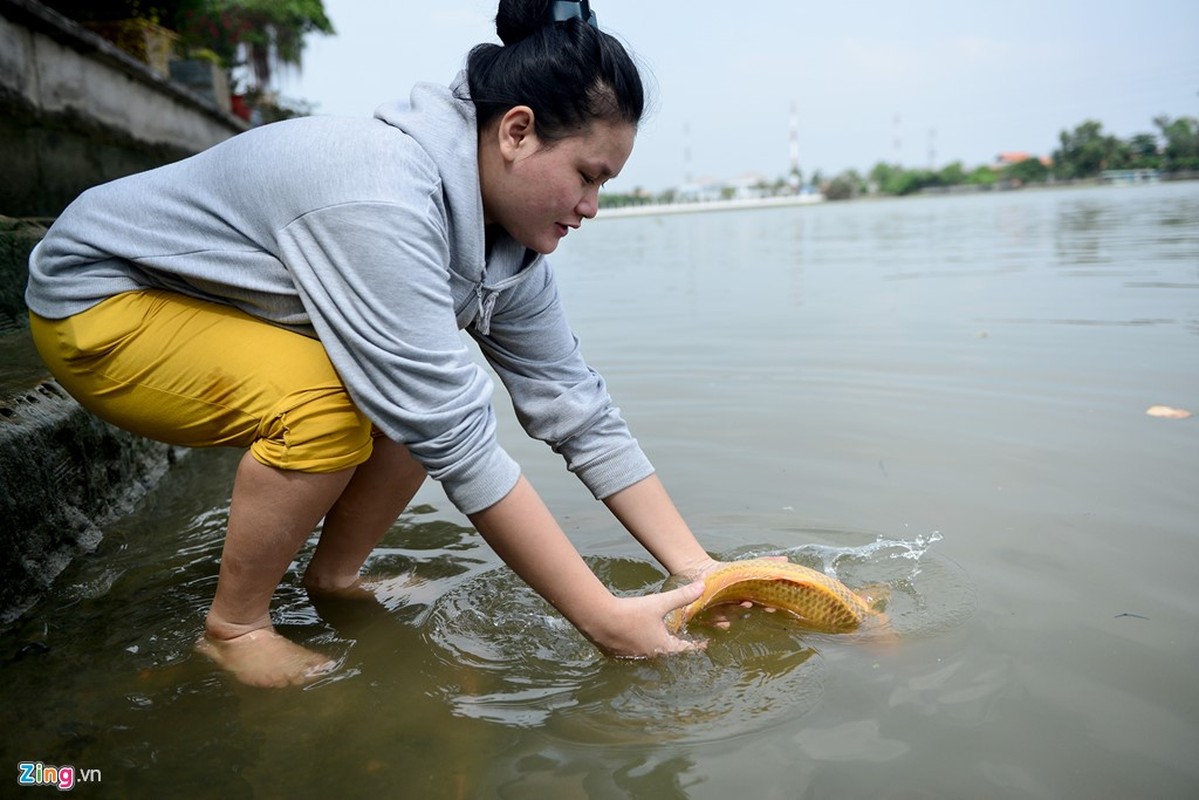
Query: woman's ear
{"type": "Point", "coordinates": [515, 133]}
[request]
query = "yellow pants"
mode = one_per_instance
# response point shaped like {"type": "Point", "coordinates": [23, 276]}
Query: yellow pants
{"type": "Point", "coordinates": [195, 373]}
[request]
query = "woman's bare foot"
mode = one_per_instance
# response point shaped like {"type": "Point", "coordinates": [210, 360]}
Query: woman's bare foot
{"type": "Point", "coordinates": [265, 658]}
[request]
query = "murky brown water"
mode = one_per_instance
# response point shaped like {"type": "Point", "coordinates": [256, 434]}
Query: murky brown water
{"type": "Point", "coordinates": [947, 395]}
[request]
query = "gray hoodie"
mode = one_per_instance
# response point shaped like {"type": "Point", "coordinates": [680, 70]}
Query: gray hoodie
{"type": "Point", "coordinates": [368, 234]}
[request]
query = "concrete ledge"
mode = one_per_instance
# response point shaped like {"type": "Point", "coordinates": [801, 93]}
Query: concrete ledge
{"type": "Point", "coordinates": [64, 473]}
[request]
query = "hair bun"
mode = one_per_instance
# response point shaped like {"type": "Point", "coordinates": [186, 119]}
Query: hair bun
{"type": "Point", "coordinates": [569, 74]}
{"type": "Point", "coordinates": [518, 19]}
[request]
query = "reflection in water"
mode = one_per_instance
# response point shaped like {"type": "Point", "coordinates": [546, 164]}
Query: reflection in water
{"type": "Point", "coordinates": [857, 741]}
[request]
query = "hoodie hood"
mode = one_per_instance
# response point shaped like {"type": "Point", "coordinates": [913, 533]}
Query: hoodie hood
{"type": "Point", "coordinates": [442, 121]}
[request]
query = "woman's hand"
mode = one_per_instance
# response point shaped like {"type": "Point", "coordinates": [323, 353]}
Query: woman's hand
{"type": "Point", "coordinates": [635, 628]}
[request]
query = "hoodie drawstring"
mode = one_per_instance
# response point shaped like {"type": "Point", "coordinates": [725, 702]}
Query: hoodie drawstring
{"type": "Point", "coordinates": [486, 298]}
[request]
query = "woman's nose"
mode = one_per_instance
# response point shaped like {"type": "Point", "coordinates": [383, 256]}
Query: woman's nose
{"type": "Point", "coordinates": [588, 205]}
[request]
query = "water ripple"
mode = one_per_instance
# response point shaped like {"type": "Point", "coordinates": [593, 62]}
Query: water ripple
{"type": "Point", "coordinates": [515, 661]}
{"type": "Point", "coordinates": [511, 659]}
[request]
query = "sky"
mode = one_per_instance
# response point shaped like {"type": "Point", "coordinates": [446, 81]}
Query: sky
{"type": "Point", "coordinates": [916, 83]}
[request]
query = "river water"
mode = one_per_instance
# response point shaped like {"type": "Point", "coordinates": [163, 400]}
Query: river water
{"type": "Point", "coordinates": [947, 395]}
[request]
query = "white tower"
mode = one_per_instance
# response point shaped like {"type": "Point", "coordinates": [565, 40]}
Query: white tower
{"type": "Point", "coordinates": [897, 139]}
{"type": "Point", "coordinates": [687, 153]}
{"type": "Point", "coordinates": [795, 176]}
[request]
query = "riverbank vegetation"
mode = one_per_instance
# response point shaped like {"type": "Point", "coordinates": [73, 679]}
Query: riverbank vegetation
{"type": "Point", "coordinates": [251, 41]}
{"type": "Point", "coordinates": [1084, 153]}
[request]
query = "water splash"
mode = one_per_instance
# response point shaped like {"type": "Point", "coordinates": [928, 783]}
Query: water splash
{"type": "Point", "coordinates": [829, 559]}
{"type": "Point", "coordinates": [928, 592]}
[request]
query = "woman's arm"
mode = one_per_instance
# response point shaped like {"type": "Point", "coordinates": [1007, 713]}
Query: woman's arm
{"type": "Point", "coordinates": [647, 512]}
{"type": "Point", "coordinates": [525, 535]}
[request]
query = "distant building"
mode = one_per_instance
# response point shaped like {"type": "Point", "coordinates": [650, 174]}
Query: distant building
{"type": "Point", "coordinates": [751, 185]}
{"type": "Point", "coordinates": [701, 190]}
{"type": "Point", "coordinates": [1015, 157]}
{"type": "Point", "coordinates": [1012, 157]}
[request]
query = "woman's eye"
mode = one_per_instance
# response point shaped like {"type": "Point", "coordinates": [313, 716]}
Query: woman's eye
{"type": "Point", "coordinates": [587, 179]}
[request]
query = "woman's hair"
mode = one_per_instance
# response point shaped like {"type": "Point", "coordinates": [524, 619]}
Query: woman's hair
{"type": "Point", "coordinates": [570, 73]}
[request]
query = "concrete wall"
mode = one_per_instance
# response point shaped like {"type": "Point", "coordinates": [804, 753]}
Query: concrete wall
{"type": "Point", "coordinates": [76, 111]}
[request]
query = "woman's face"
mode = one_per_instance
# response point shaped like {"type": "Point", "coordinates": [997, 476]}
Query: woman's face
{"type": "Point", "coordinates": [539, 191]}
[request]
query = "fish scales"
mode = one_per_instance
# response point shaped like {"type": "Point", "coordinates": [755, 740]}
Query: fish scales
{"type": "Point", "coordinates": [823, 610]}
{"type": "Point", "coordinates": [823, 603]}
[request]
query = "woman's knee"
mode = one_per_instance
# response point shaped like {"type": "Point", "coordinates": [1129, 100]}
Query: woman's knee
{"type": "Point", "coordinates": [314, 430]}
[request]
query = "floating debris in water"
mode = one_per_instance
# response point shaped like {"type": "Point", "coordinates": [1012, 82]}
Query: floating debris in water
{"type": "Point", "coordinates": [1167, 412]}
{"type": "Point", "coordinates": [31, 649]}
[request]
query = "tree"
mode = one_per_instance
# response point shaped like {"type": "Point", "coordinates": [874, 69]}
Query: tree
{"type": "Point", "coordinates": [982, 176]}
{"type": "Point", "coordinates": [845, 186]}
{"type": "Point", "coordinates": [1030, 170]}
{"type": "Point", "coordinates": [894, 179]}
{"type": "Point", "coordinates": [1143, 150]}
{"type": "Point", "coordinates": [1181, 151]}
{"type": "Point", "coordinates": [952, 174]}
{"type": "Point", "coordinates": [883, 176]}
{"type": "Point", "coordinates": [1086, 152]}
{"type": "Point", "coordinates": [263, 34]}
{"type": "Point", "coordinates": [158, 11]}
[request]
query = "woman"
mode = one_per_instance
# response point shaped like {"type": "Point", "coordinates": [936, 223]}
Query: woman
{"type": "Point", "coordinates": [298, 290]}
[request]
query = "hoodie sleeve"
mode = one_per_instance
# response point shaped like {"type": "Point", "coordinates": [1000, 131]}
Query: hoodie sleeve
{"type": "Point", "coordinates": [374, 279]}
{"type": "Point", "coordinates": [558, 398]}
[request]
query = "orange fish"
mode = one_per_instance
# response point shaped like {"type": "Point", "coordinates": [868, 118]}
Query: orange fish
{"type": "Point", "coordinates": [822, 603]}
